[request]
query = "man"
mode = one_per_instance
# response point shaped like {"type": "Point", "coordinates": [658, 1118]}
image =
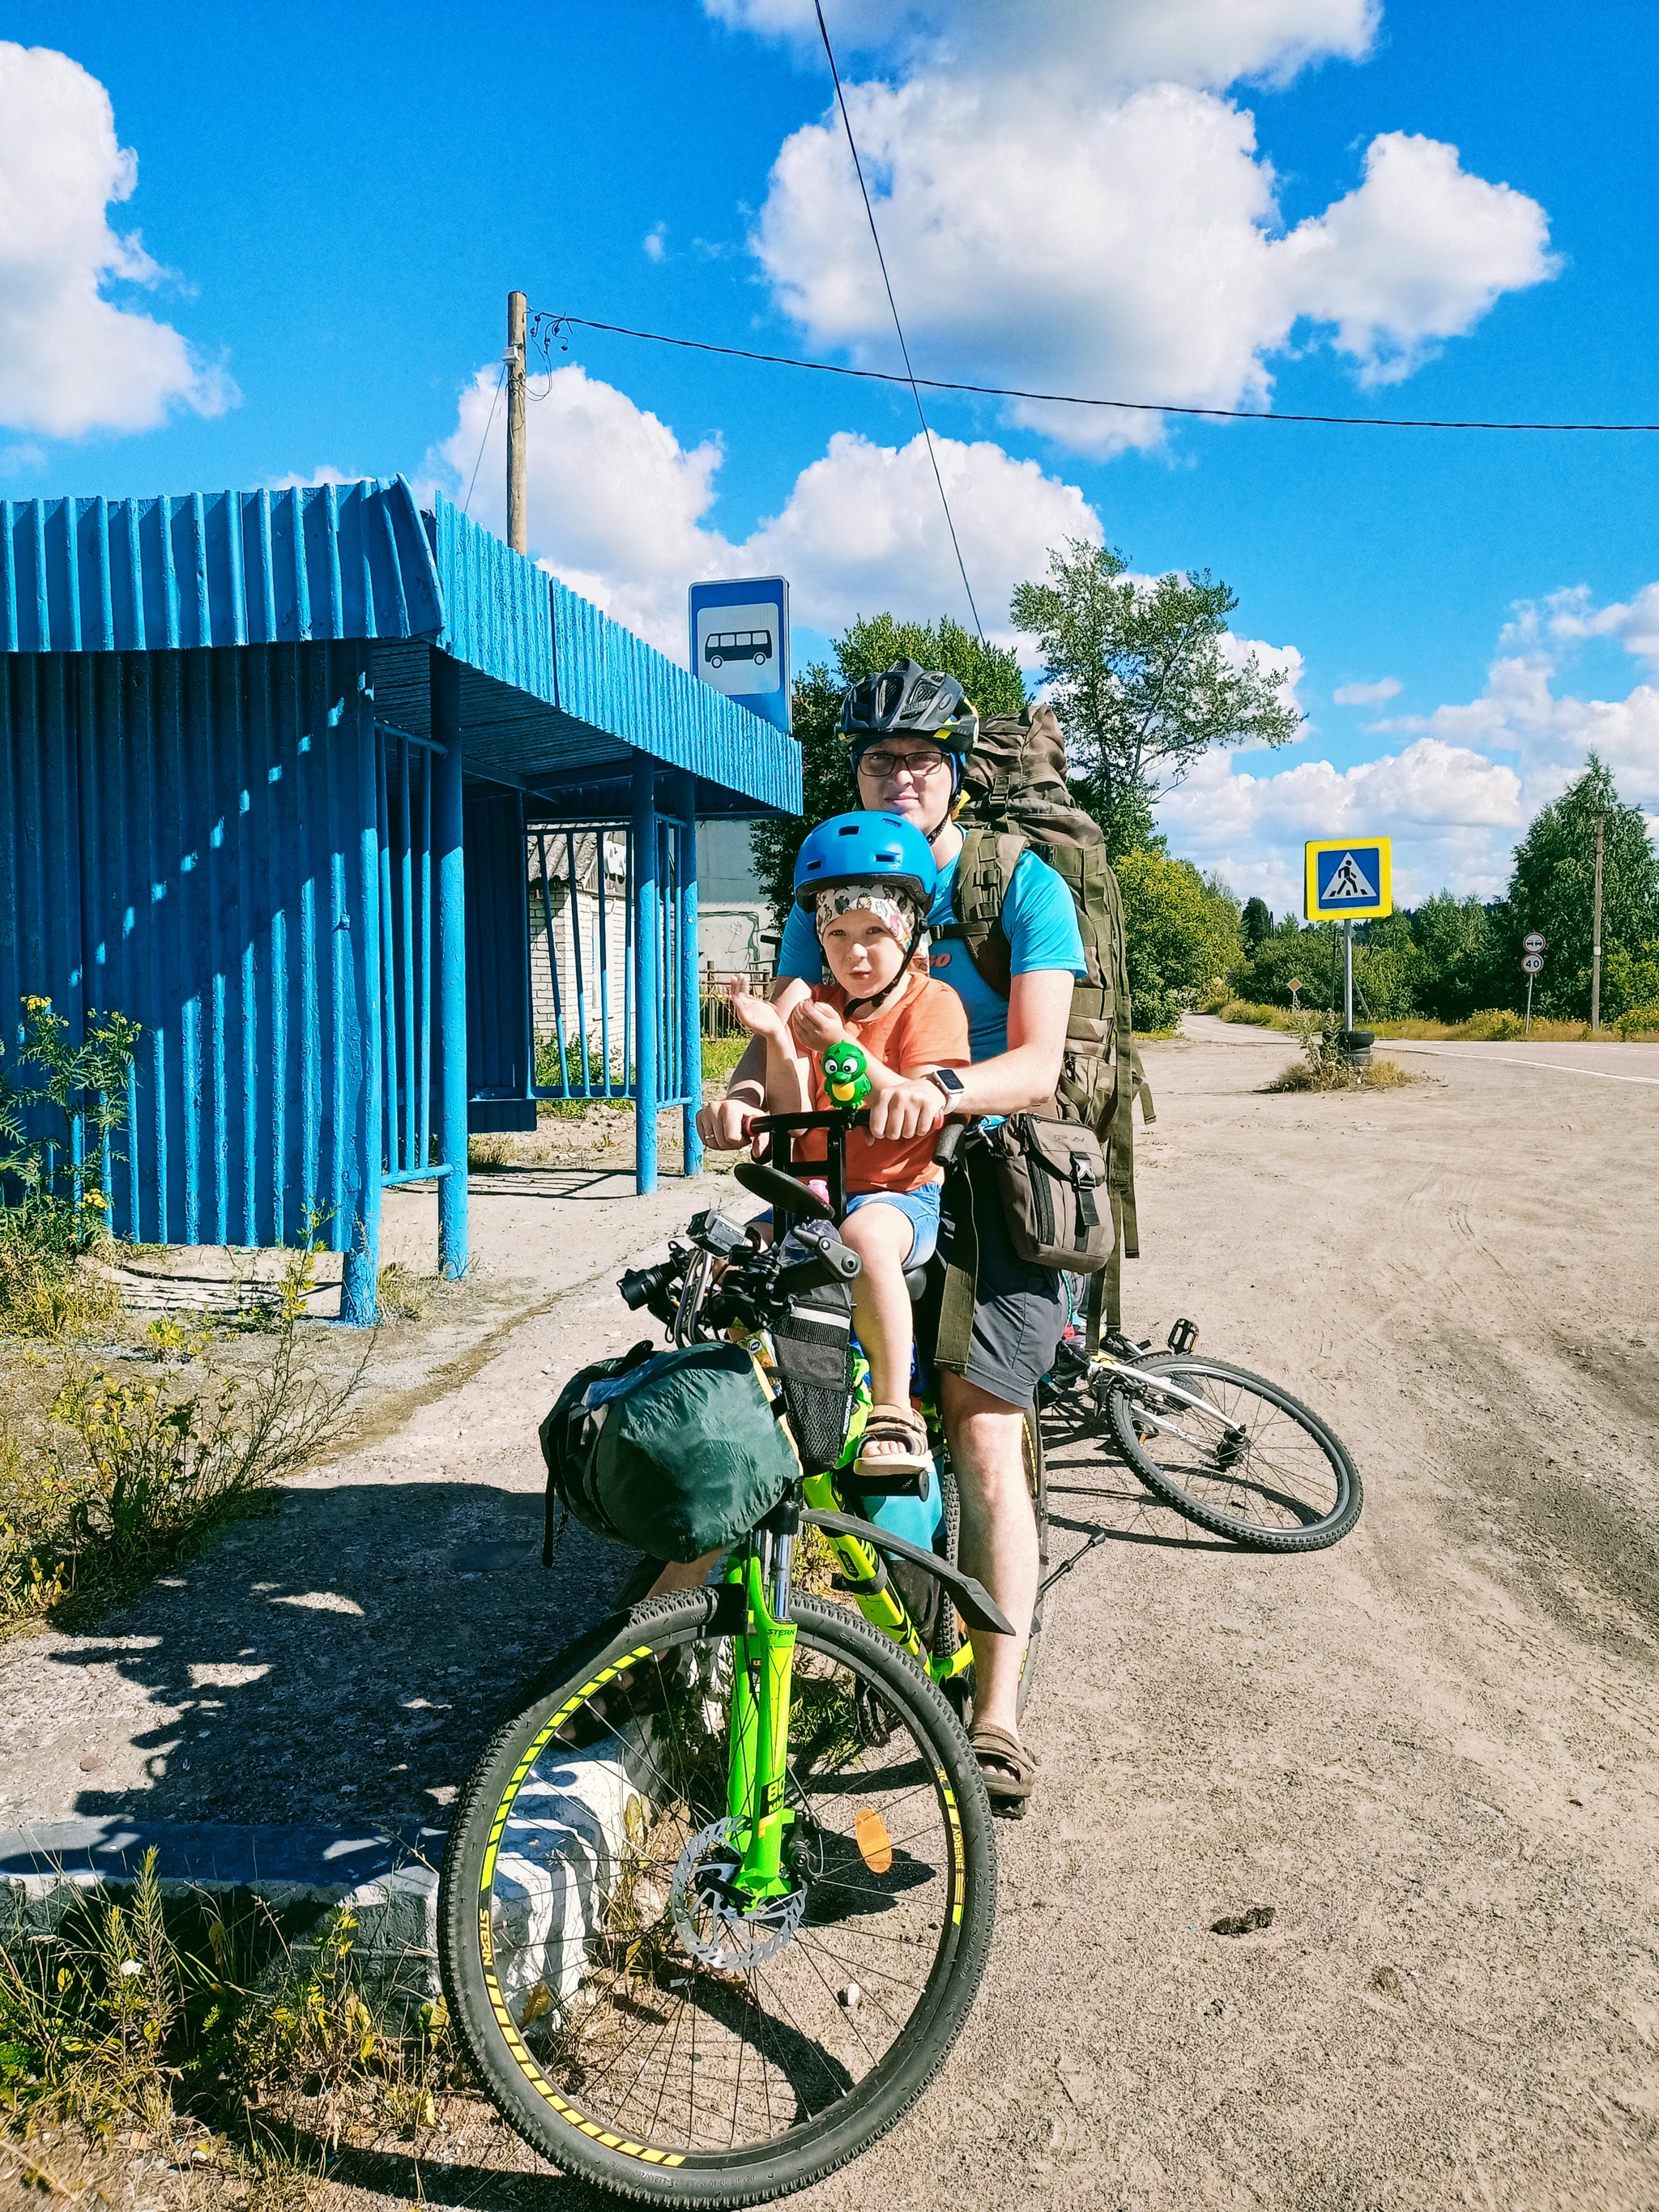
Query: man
{"type": "Point", "coordinates": [910, 730]}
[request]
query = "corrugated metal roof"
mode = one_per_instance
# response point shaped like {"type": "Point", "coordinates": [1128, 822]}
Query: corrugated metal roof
{"type": "Point", "coordinates": [509, 620]}
{"type": "Point", "coordinates": [556, 687]}
{"type": "Point", "coordinates": [216, 568]}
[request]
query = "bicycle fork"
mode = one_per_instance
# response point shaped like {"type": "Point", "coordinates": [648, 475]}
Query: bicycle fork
{"type": "Point", "coordinates": [758, 1755]}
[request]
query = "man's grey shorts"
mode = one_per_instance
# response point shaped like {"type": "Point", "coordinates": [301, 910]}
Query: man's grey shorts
{"type": "Point", "coordinates": [1020, 1310]}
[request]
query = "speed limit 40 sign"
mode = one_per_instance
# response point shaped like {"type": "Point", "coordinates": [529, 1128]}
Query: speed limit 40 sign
{"type": "Point", "coordinates": [1533, 964]}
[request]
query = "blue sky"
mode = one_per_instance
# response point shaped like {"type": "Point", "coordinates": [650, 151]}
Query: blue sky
{"type": "Point", "coordinates": [1311, 205]}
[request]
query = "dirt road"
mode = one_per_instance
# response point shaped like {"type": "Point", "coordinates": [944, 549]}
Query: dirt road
{"type": "Point", "coordinates": [1430, 1750]}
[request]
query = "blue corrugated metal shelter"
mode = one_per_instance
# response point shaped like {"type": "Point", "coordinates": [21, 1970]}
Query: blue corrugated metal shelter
{"type": "Point", "coordinates": [267, 764]}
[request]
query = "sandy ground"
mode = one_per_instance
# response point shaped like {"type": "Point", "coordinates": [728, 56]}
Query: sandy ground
{"type": "Point", "coordinates": [1429, 1750]}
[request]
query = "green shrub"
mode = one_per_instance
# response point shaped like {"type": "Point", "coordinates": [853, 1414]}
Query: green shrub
{"type": "Point", "coordinates": [1639, 1021]}
{"type": "Point", "coordinates": [53, 1210]}
{"type": "Point", "coordinates": [1181, 932]}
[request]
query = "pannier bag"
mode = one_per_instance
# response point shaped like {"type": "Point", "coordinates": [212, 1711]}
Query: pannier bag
{"type": "Point", "coordinates": [1051, 1177]}
{"type": "Point", "coordinates": [675, 1453]}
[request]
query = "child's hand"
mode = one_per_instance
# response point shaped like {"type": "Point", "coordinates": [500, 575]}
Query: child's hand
{"type": "Point", "coordinates": [816, 1027]}
{"type": "Point", "coordinates": [758, 1016]}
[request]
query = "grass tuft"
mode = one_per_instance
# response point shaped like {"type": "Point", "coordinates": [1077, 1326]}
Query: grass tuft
{"type": "Point", "coordinates": [114, 1474]}
{"type": "Point", "coordinates": [213, 2043]}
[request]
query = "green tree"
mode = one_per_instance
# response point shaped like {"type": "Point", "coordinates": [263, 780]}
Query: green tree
{"type": "Point", "coordinates": [989, 675]}
{"type": "Point", "coordinates": [1181, 934]}
{"type": "Point", "coordinates": [1257, 922]}
{"type": "Point", "coordinates": [1142, 685]}
{"type": "Point", "coordinates": [1459, 972]}
{"type": "Point", "coordinates": [1293, 952]}
{"type": "Point", "coordinates": [1551, 890]}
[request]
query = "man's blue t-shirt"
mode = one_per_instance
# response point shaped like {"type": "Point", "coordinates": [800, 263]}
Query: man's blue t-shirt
{"type": "Point", "coordinates": [1040, 921]}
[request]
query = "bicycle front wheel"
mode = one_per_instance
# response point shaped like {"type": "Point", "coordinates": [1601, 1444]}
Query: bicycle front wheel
{"type": "Point", "coordinates": [1235, 1454]}
{"type": "Point", "coordinates": [629, 2018]}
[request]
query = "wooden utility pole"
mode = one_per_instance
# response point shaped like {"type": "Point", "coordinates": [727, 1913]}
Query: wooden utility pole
{"type": "Point", "coordinates": [518, 527]}
{"type": "Point", "coordinates": [1595, 930]}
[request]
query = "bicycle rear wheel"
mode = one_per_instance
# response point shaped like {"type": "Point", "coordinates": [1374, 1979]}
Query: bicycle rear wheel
{"type": "Point", "coordinates": [1246, 1460]}
{"type": "Point", "coordinates": [626, 2021]}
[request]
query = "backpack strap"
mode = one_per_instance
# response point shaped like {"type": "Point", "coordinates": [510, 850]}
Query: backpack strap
{"type": "Point", "coordinates": [984, 868]}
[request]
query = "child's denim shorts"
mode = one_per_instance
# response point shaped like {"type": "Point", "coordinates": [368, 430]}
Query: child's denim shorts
{"type": "Point", "coordinates": [919, 1207]}
{"type": "Point", "coordinates": [922, 1208]}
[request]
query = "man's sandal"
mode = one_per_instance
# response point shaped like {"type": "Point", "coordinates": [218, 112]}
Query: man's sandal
{"type": "Point", "coordinates": [1008, 1768]}
{"type": "Point", "coordinates": [895, 1425]}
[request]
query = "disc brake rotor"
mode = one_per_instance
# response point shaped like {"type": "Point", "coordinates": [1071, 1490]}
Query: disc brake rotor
{"type": "Point", "coordinates": [718, 1925]}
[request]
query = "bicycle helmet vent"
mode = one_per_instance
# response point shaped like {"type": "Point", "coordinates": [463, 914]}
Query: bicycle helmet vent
{"type": "Point", "coordinates": [907, 699]}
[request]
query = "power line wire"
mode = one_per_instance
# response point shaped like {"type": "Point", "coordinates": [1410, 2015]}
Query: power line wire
{"type": "Point", "coordinates": [484, 440]}
{"type": "Point", "coordinates": [847, 124]}
{"type": "Point", "coordinates": [1067, 399]}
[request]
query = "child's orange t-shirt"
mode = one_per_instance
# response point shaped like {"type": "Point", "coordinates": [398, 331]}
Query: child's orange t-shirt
{"type": "Point", "coordinates": [927, 1028]}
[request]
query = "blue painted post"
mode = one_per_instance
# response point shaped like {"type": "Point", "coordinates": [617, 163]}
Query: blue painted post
{"type": "Point", "coordinates": [450, 962]}
{"type": "Point", "coordinates": [646, 1011]}
{"type": "Point", "coordinates": [685, 806]}
{"type": "Point", "coordinates": [360, 1293]}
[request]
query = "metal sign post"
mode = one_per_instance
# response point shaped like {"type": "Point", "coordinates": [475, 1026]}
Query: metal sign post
{"type": "Point", "coordinates": [1532, 964]}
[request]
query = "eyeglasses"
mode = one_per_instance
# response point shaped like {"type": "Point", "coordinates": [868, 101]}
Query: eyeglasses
{"type": "Point", "coordinates": [887, 768]}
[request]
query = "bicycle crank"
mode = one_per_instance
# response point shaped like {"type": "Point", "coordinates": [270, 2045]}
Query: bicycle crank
{"type": "Point", "coordinates": [720, 1926]}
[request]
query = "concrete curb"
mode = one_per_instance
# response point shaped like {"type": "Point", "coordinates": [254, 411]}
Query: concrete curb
{"type": "Point", "coordinates": [301, 1875]}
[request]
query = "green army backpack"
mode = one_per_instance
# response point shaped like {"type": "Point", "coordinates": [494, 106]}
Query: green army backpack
{"type": "Point", "coordinates": [1018, 799]}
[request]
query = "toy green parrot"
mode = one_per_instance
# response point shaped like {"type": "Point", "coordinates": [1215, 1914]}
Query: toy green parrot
{"type": "Point", "coordinates": [846, 1076]}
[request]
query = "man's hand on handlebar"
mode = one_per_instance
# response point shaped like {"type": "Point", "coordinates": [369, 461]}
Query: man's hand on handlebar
{"type": "Point", "coordinates": [724, 1125]}
{"type": "Point", "coordinates": [906, 1108]}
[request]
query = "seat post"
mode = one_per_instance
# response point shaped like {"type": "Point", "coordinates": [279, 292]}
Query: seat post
{"type": "Point", "coordinates": [836, 1168]}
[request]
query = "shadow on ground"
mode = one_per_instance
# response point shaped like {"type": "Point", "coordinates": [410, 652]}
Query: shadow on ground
{"type": "Point", "coordinates": [342, 1657]}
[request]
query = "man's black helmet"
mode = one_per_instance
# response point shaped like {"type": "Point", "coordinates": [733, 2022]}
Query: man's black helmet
{"type": "Point", "coordinates": [908, 700]}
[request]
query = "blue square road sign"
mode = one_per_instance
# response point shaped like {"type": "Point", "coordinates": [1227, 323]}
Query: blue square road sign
{"type": "Point", "coordinates": [740, 643]}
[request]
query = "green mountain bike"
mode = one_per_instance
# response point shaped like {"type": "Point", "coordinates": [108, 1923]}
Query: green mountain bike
{"type": "Point", "coordinates": [720, 1893]}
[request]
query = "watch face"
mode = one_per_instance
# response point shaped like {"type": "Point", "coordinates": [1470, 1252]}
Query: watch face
{"type": "Point", "coordinates": [948, 1080]}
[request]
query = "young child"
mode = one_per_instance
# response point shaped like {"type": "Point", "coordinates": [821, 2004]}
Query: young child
{"type": "Point", "coordinates": [870, 924]}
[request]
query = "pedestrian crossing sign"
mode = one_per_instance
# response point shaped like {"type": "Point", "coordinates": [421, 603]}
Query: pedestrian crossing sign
{"type": "Point", "coordinates": [1349, 879]}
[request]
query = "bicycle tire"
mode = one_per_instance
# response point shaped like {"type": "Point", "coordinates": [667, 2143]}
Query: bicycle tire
{"type": "Point", "coordinates": [950, 1635]}
{"type": "Point", "coordinates": [1187, 1474]}
{"type": "Point", "coordinates": [565, 2096]}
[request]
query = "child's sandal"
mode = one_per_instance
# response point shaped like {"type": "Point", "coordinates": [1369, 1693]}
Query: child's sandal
{"type": "Point", "coordinates": [898, 1425]}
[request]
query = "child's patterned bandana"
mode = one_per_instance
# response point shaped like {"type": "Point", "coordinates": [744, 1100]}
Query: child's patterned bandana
{"type": "Point", "coordinates": [891, 909]}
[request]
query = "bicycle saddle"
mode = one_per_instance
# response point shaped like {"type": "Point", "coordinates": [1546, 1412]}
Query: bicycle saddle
{"type": "Point", "coordinates": [915, 1281]}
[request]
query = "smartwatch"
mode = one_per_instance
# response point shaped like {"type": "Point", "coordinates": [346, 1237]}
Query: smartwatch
{"type": "Point", "coordinates": [948, 1081]}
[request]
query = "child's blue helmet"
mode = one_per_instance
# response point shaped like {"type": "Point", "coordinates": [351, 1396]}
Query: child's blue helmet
{"type": "Point", "coordinates": [879, 849]}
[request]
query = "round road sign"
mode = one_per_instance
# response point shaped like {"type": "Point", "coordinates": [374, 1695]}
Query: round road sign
{"type": "Point", "coordinates": [1532, 942]}
{"type": "Point", "coordinates": [1533, 964]}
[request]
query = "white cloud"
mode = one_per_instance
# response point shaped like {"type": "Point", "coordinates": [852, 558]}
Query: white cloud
{"type": "Point", "coordinates": [1473, 773]}
{"type": "Point", "coordinates": [1200, 42]}
{"type": "Point", "coordinates": [1418, 254]}
{"type": "Point", "coordinates": [1066, 201]}
{"type": "Point", "coordinates": [326, 473]}
{"type": "Point", "coordinates": [655, 241]}
{"type": "Point", "coordinates": [1443, 805]}
{"type": "Point", "coordinates": [1635, 623]}
{"type": "Point", "coordinates": [70, 361]}
{"type": "Point", "coordinates": [617, 508]}
{"type": "Point", "coordinates": [1367, 695]}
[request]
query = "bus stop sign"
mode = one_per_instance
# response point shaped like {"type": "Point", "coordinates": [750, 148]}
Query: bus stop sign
{"type": "Point", "coordinates": [740, 643]}
{"type": "Point", "coordinates": [1349, 879]}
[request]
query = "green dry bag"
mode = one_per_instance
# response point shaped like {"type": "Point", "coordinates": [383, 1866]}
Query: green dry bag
{"type": "Point", "coordinates": [675, 1453]}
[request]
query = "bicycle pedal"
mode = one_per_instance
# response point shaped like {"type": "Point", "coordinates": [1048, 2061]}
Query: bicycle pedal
{"type": "Point", "coordinates": [1183, 1337]}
